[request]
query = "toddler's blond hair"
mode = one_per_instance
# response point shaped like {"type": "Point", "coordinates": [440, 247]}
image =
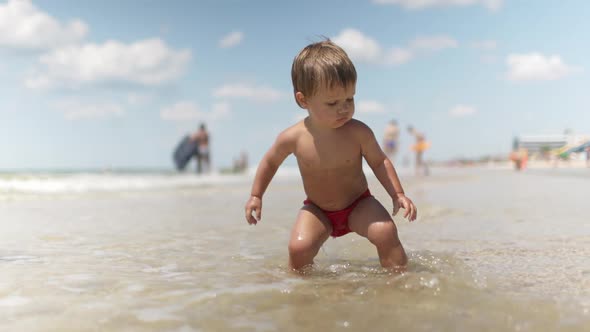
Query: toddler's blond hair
{"type": "Point", "coordinates": [321, 64]}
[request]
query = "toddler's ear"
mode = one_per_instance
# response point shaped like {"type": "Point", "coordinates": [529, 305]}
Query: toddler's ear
{"type": "Point", "coordinates": [301, 100]}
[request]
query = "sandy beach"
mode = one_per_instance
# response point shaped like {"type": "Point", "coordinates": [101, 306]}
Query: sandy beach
{"type": "Point", "coordinates": [492, 250]}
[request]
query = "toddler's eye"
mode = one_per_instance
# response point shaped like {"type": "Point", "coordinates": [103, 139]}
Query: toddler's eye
{"type": "Point", "coordinates": [331, 104]}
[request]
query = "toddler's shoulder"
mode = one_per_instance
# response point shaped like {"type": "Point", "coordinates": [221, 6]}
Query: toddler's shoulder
{"type": "Point", "coordinates": [358, 124]}
{"type": "Point", "coordinates": [359, 128]}
{"type": "Point", "coordinates": [294, 131]}
{"type": "Point", "coordinates": [290, 136]}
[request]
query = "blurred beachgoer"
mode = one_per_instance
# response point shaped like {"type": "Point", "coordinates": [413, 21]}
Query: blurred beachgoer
{"type": "Point", "coordinates": [524, 158]}
{"type": "Point", "coordinates": [419, 148]}
{"type": "Point", "coordinates": [390, 139]}
{"type": "Point", "coordinates": [520, 158]}
{"type": "Point", "coordinates": [329, 146]}
{"type": "Point", "coordinates": [241, 164]}
{"type": "Point", "coordinates": [202, 138]}
{"type": "Point", "coordinates": [588, 156]}
{"type": "Point", "coordinates": [515, 158]}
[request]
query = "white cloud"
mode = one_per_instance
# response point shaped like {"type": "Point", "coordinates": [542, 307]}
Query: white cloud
{"type": "Point", "coordinates": [182, 111]}
{"type": "Point", "coordinates": [147, 62]}
{"type": "Point", "coordinates": [231, 40]}
{"type": "Point", "coordinates": [398, 56]}
{"type": "Point", "coordinates": [358, 46]}
{"type": "Point", "coordinates": [423, 4]}
{"type": "Point", "coordinates": [434, 43]}
{"type": "Point", "coordinates": [370, 106]}
{"type": "Point", "coordinates": [366, 49]}
{"type": "Point", "coordinates": [24, 26]}
{"type": "Point", "coordinates": [189, 111]}
{"type": "Point", "coordinates": [485, 45]}
{"type": "Point", "coordinates": [75, 110]}
{"type": "Point", "coordinates": [254, 93]}
{"type": "Point", "coordinates": [535, 66]}
{"type": "Point", "coordinates": [462, 111]}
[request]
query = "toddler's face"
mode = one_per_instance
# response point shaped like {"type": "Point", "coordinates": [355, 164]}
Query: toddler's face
{"type": "Point", "coordinates": [332, 107]}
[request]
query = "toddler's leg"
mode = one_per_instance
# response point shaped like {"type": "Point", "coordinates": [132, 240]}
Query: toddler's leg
{"type": "Point", "coordinates": [371, 220]}
{"type": "Point", "coordinates": [310, 231]}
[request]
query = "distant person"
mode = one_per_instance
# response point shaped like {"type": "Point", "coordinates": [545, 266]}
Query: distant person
{"type": "Point", "coordinates": [515, 158]}
{"type": "Point", "coordinates": [390, 139]}
{"type": "Point", "coordinates": [520, 158]}
{"type": "Point", "coordinates": [524, 158]}
{"type": "Point", "coordinates": [202, 156]}
{"type": "Point", "coordinates": [329, 146]}
{"type": "Point", "coordinates": [588, 156]}
{"type": "Point", "coordinates": [419, 147]}
{"type": "Point", "coordinates": [241, 164]}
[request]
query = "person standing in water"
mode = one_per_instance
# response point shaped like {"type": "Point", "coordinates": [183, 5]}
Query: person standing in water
{"type": "Point", "coordinates": [419, 148]}
{"type": "Point", "coordinates": [202, 139]}
{"type": "Point", "coordinates": [390, 139]}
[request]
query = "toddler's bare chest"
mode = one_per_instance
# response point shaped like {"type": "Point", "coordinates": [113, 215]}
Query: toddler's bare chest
{"type": "Point", "coordinates": [328, 156]}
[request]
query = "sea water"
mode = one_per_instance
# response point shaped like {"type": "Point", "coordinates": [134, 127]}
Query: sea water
{"type": "Point", "coordinates": [492, 250]}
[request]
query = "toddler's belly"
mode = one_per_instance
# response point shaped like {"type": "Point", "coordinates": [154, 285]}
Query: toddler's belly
{"type": "Point", "coordinates": [334, 194]}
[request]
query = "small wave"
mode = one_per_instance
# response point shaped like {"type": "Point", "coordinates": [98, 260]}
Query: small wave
{"type": "Point", "coordinates": [60, 183]}
{"type": "Point", "coordinates": [80, 183]}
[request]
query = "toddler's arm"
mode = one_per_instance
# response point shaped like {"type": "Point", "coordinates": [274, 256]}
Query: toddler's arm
{"type": "Point", "coordinates": [274, 157]}
{"type": "Point", "coordinates": [385, 172]}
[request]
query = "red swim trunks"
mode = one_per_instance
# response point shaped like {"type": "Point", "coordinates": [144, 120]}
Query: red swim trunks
{"type": "Point", "coordinates": [339, 219]}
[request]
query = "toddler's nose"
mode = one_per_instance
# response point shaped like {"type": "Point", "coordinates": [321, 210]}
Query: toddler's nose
{"type": "Point", "coordinates": [344, 109]}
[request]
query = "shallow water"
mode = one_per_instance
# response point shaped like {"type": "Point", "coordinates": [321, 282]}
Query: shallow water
{"type": "Point", "coordinates": [492, 250]}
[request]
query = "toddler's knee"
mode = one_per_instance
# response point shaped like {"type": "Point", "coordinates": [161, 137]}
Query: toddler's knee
{"type": "Point", "coordinates": [383, 234]}
{"type": "Point", "coordinates": [300, 247]}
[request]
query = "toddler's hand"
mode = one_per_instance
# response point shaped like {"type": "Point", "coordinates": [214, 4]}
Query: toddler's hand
{"type": "Point", "coordinates": [254, 204]}
{"type": "Point", "coordinates": [407, 204]}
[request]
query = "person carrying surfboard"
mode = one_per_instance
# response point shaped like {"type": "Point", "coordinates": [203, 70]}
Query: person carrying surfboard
{"type": "Point", "coordinates": [329, 146]}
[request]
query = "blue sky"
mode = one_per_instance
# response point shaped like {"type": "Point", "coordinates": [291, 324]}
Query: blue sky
{"type": "Point", "coordinates": [111, 84]}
